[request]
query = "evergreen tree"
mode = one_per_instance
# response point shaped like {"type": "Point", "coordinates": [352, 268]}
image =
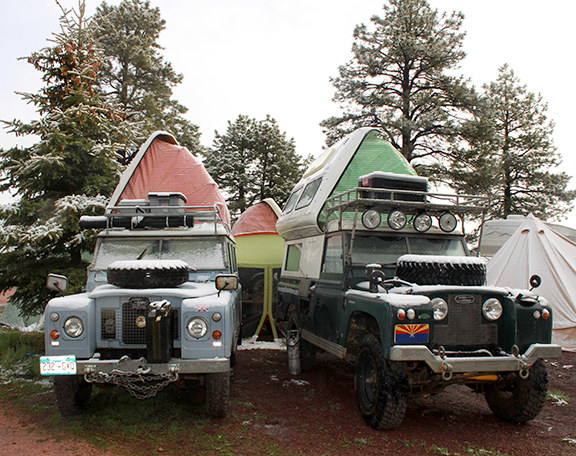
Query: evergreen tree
{"type": "Point", "coordinates": [511, 156]}
{"type": "Point", "coordinates": [69, 172]}
{"type": "Point", "coordinates": [398, 79]}
{"type": "Point", "coordinates": [135, 73]}
{"type": "Point", "coordinates": [254, 161]}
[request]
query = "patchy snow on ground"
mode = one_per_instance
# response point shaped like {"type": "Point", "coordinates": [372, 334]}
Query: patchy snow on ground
{"type": "Point", "coordinates": [254, 344]}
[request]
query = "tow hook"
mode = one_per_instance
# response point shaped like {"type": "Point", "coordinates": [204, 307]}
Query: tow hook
{"type": "Point", "coordinates": [446, 369]}
{"type": "Point", "coordinates": [524, 370]}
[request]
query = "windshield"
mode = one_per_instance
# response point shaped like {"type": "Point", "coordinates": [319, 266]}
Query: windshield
{"type": "Point", "coordinates": [386, 249]}
{"type": "Point", "coordinates": [204, 253]}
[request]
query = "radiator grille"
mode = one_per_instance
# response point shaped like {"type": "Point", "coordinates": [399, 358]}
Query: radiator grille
{"type": "Point", "coordinates": [466, 326]}
{"type": "Point", "coordinates": [121, 324]}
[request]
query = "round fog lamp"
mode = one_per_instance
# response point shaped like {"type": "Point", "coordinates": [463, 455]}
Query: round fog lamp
{"type": "Point", "coordinates": [74, 327]}
{"type": "Point", "coordinates": [440, 308]}
{"type": "Point", "coordinates": [422, 222]}
{"type": "Point", "coordinates": [492, 309]}
{"type": "Point", "coordinates": [396, 219]}
{"type": "Point", "coordinates": [447, 222]}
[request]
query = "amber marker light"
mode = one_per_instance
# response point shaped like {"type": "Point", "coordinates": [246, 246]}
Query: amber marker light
{"type": "Point", "coordinates": [401, 314]}
{"type": "Point", "coordinates": [54, 334]}
{"type": "Point", "coordinates": [217, 335]}
{"type": "Point", "coordinates": [545, 314]}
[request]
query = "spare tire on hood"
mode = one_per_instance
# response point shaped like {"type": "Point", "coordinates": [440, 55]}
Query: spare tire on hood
{"type": "Point", "coordinates": [148, 273]}
{"type": "Point", "coordinates": [441, 270]}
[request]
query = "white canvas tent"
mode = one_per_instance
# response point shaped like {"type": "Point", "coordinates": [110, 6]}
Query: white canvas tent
{"type": "Point", "coordinates": [535, 248]}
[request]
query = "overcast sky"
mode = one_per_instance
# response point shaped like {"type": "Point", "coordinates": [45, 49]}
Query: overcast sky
{"type": "Point", "coordinates": [259, 57]}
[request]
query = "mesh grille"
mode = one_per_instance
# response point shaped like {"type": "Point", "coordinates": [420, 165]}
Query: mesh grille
{"type": "Point", "coordinates": [466, 326]}
{"type": "Point", "coordinates": [108, 324]}
{"type": "Point", "coordinates": [121, 325]}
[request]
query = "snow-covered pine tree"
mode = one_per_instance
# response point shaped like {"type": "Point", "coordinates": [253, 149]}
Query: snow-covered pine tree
{"type": "Point", "coordinates": [69, 172]}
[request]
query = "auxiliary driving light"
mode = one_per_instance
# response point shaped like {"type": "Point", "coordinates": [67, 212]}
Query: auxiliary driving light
{"type": "Point", "coordinates": [397, 219]}
{"type": "Point", "coordinates": [447, 222]}
{"type": "Point", "coordinates": [422, 222]}
{"type": "Point", "coordinates": [371, 219]}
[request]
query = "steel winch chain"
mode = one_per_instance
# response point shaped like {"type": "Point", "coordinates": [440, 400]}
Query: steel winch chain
{"type": "Point", "coordinates": [134, 382]}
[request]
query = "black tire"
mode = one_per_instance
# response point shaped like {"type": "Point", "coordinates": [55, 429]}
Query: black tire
{"type": "Point", "coordinates": [523, 399]}
{"type": "Point", "coordinates": [431, 271]}
{"type": "Point", "coordinates": [72, 394]}
{"type": "Point", "coordinates": [217, 394]}
{"type": "Point", "coordinates": [148, 274]}
{"type": "Point", "coordinates": [381, 386]}
{"type": "Point", "coordinates": [306, 349]}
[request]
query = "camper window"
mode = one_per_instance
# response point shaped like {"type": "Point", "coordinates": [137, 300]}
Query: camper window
{"type": "Point", "coordinates": [293, 257]}
{"type": "Point", "coordinates": [309, 193]}
{"type": "Point", "coordinates": [292, 201]}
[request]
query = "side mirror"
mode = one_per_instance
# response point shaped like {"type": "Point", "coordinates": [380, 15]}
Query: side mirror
{"type": "Point", "coordinates": [535, 281]}
{"type": "Point", "coordinates": [226, 282]}
{"type": "Point", "coordinates": [375, 275]}
{"type": "Point", "coordinates": [57, 283]}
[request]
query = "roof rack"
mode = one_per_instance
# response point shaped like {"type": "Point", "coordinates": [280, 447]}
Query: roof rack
{"type": "Point", "coordinates": [137, 216]}
{"type": "Point", "coordinates": [410, 202]}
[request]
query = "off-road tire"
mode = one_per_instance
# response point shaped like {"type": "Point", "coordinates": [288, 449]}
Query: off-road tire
{"type": "Point", "coordinates": [148, 274]}
{"type": "Point", "coordinates": [381, 386]}
{"type": "Point", "coordinates": [434, 271]}
{"type": "Point", "coordinates": [72, 394]}
{"type": "Point", "coordinates": [217, 394]}
{"type": "Point", "coordinates": [306, 349]}
{"type": "Point", "coordinates": [523, 399]}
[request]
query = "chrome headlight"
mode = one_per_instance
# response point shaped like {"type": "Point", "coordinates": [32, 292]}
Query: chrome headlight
{"type": "Point", "coordinates": [492, 309]}
{"type": "Point", "coordinates": [197, 327]}
{"type": "Point", "coordinates": [440, 308]}
{"type": "Point", "coordinates": [74, 327]}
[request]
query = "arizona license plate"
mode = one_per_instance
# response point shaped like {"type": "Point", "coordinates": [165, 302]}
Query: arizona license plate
{"type": "Point", "coordinates": [58, 365]}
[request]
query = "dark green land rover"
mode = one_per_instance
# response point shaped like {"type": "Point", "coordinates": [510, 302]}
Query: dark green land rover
{"type": "Point", "coordinates": [376, 270]}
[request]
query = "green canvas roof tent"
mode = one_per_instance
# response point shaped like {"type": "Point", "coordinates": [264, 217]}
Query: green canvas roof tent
{"type": "Point", "coordinates": [259, 250]}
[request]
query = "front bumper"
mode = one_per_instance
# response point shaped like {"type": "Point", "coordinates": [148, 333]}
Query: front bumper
{"type": "Point", "coordinates": [137, 366]}
{"type": "Point", "coordinates": [482, 364]}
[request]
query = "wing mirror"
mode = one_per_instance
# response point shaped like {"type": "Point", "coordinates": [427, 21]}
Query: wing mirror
{"type": "Point", "coordinates": [535, 281]}
{"type": "Point", "coordinates": [57, 282]}
{"type": "Point", "coordinates": [226, 282]}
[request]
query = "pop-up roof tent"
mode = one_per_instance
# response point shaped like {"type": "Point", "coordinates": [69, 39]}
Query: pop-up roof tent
{"type": "Point", "coordinates": [259, 250]}
{"type": "Point", "coordinates": [535, 248]}
{"type": "Point", "coordinates": [161, 165]}
{"type": "Point", "coordinates": [337, 170]}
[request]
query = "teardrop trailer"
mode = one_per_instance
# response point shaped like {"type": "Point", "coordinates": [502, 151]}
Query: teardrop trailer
{"type": "Point", "coordinates": [162, 300]}
{"type": "Point", "coordinates": [376, 271]}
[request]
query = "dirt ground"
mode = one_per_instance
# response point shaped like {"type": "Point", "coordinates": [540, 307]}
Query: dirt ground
{"type": "Point", "coordinates": [316, 414]}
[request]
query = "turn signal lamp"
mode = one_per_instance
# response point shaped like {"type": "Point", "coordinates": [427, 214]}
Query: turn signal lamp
{"type": "Point", "coordinates": [54, 334]}
{"type": "Point", "coordinates": [401, 314]}
{"type": "Point", "coordinates": [217, 335]}
{"type": "Point", "coordinates": [545, 314]}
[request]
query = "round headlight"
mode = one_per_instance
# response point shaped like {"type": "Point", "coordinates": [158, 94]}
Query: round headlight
{"type": "Point", "coordinates": [440, 308]}
{"type": "Point", "coordinates": [197, 327]}
{"type": "Point", "coordinates": [492, 309]}
{"type": "Point", "coordinates": [447, 222]}
{"type": "Point", "coordinates": [396, 219]}
{"type": "Point", "coordinates": [422, 222]}
{"type": "Point", "coordinates": [74, 327]}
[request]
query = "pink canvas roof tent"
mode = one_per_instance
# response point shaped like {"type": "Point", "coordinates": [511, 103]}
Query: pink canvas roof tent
{"type": "Point", "coordinates": [259, 250]}
{"type": "Point", "coordinates": [161, 165]}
